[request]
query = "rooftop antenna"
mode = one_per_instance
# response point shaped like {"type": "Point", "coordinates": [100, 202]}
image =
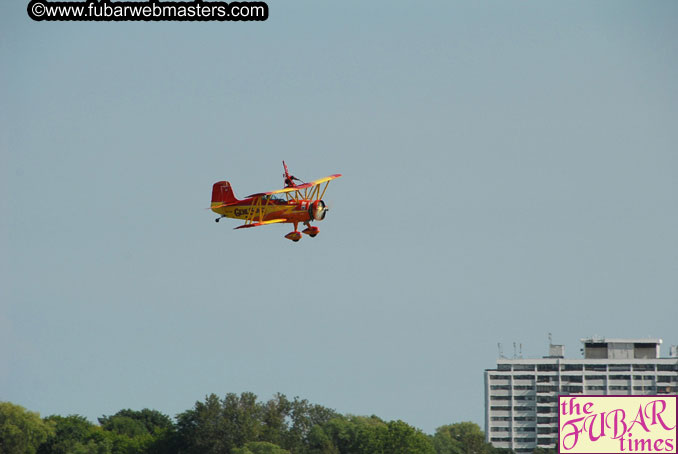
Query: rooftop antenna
{"type": "Point", "coordinates": [515, 355]}
{"type": "Point", "coordinates": [501, 354]}
{"type": "Point", "coordinates": [520, 351]}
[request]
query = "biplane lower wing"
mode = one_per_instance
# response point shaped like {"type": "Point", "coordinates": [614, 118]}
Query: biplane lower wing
{"type": "Point", "coordinates": [256, 224]}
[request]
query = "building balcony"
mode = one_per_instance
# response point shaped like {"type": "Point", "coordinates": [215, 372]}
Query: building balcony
{"type": "Point", "coordinates": [522, 425]}
{"type": "Point", "coordinates": [523, 392]}
{"type": "Point", "coordinates": [499, 392]}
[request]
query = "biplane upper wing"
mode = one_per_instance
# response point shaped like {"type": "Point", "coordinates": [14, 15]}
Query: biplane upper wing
{"type": "Point", "coordinates": [298, 187]}
{"type": "Point", "coordinates": [256, 224]}
{"type": "Point", "coordinates": [322, 180]}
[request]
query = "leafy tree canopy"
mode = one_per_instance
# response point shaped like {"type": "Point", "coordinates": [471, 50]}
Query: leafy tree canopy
{"type": "Point", "coordinates": [70, 435]}
{"type": "Point", "coordinates": [461, 438]}
{"type": "Point", "coordinates": [21, 431]}
{"type": "Point", "coordinates": [234, 424]}
{"type": "Point", "coordinates": [133, 423]}
{"type": "Point", "coordinates": [545, 451]}
{"type": "Point", "coordinates": [260, 447]}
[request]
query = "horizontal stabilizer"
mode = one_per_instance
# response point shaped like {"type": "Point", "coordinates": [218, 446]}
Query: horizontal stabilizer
{"type": "Point", "coordinates": [222, 205]}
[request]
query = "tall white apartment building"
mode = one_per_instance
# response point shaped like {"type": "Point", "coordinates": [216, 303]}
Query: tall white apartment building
{"type": "Point", "coordinates": [521, 395]}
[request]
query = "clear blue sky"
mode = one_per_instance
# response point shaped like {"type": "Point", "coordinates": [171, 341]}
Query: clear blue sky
{"type": "Point", "coordinates": [510, 170]}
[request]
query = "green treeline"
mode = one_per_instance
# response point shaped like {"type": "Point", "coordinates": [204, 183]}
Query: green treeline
{"type": "Point", "coordinates": [232, 425]}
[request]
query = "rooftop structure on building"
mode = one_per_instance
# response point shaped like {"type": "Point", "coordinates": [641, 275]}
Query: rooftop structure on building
{"type": "Point", "coordinates": [521, 395]}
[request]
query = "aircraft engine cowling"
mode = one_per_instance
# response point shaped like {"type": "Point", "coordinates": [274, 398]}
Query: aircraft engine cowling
{"type": "Point", "coordinates": [317, 210]}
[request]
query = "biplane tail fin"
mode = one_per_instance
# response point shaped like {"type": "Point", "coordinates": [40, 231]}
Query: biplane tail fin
{"type": "Point", "coordinates": [223, 193]}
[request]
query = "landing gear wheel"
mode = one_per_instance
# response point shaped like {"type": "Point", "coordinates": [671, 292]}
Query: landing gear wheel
{"type": "Point", "coordinates": [294, 236]}
{"type": "Point", "coordinates": [310, 230]}
{"type": "Point", "coordinates": [217, 220]}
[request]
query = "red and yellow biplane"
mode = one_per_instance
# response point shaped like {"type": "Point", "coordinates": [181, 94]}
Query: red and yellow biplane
{"type": "Point", "coordinates": [296, 203]}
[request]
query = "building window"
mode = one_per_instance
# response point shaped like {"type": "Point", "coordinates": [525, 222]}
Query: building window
{"type": "Point", "coordinates": [500, 397]}
{"type": "Point", "coordinates": [644, 377]}
{"type": "Point", "coordinates": [524, 377]}
{"type": "Point", "coordinates": [572, 378]}
{"type": "Point", "coordinates": [646, 367]}
{"type": "Point", "coordinates": [521, 408]}
{"type": "Point", "coordinates": [596, 367]}
{"type": "Point", "coordinates": [595, 350]}
{"type": "Point", "coordinates": [573, 389]}
{"type": "Point", "coordinates": [568, 367]}
{"type": "Point", "coordinates": [546, 389]}
{"type": "Point", "coordinates": [500, 387]}
{"type": "Point", "coordinates": [523, 387]}
{"type": "Point", "coordinates": [501, 418]}
{"type": "Point", "coordinates": [619, 367]}
{"type": "Point", "coordinates": [620, 377]}
{"type": "Point", "coordinates": [547, 367]}
{"type": "Point", "coordinates": [644, 350]}
{"type": "Point", "coordinates": [594, 377]}
{"type": "Point", "coordinates": [499, 429]}
{"type": "Point", "coordinates": [667, 367]}
{"type": "Point", "coordinates": [595, 388]}
{"type": "Point", "coordinates": [523, 367]}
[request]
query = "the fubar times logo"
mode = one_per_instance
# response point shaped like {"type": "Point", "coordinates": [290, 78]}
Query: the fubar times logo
{"type": "Point", "coordinates": [617, 424]}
